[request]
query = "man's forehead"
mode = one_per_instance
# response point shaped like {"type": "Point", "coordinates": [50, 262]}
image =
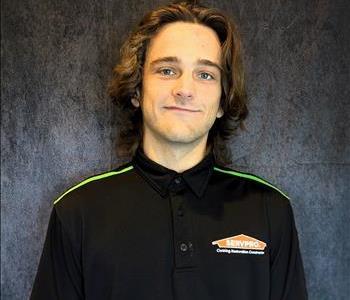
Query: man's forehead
{"type": "Point", "coordinates": [180, 41]}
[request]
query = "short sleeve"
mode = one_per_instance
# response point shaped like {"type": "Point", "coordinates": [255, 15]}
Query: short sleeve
{"type": "Point", "coordinates": [59, 272]}
{"type": "Point", "coordinates": [287, 273]}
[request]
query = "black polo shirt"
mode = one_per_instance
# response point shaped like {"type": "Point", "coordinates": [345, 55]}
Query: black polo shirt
{"type": "Point", "coordinates": [143, 231]}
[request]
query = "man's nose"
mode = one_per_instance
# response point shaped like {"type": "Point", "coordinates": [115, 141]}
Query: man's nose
{"type": "Point", "coordinates": [184, 87]}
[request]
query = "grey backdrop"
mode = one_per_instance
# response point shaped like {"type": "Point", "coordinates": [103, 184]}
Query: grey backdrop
{"type": "Point", "coordinates": [58, 128]}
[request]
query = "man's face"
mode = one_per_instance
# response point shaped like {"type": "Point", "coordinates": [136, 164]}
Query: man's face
{"type": "Point", "coordinates": [181, 84]}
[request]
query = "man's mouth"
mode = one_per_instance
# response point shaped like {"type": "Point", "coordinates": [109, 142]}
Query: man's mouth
{"type": "Point", "coordinates": [176, 108]}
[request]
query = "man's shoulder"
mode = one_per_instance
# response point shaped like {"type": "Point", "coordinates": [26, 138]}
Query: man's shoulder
{"type": "Point", "coordinates": [251, 180]}
{"type": "Point", "coordinates": [94, 183]}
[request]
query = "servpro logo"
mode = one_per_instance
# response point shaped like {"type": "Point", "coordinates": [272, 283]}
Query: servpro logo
{"type": "Point", "coordinates": [241, 243]}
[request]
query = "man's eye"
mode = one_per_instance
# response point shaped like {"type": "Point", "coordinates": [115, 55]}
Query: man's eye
{"type": "Point", "coordinates": [207, 76]}
{"type": "Point", "coordinates": [165, 71]}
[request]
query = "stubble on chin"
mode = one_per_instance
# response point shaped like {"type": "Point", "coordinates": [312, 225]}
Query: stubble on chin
{"type": "Point", "coordinates": [180, 134]}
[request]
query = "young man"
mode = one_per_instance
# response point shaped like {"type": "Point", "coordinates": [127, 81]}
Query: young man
{"type": "Point", "coordinates": [173, 223]}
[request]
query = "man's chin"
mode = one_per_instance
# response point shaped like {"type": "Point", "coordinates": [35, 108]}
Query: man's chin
{"type": "Point", "coordinates": [182, 138]}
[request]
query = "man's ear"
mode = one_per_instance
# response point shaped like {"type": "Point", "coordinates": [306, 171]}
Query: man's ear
{"type": "Point", "coordinates": [135, 100]}
{"type": "Point", "coordinates": [220, 112]}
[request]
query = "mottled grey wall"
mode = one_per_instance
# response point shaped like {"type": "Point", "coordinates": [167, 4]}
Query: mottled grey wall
{"type": "Point", "coordinates": [57, 122]}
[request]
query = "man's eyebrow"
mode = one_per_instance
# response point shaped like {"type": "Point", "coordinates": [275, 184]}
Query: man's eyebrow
{"type": "Point", "coordinates": [209, 63]}
{"type": "Point", "coordinates": [174, 59]}
{"type": "Point", "coordinates": [166, 59]}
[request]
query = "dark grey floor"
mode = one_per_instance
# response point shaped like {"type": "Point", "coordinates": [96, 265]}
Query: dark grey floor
{"type": "Point", "coordinates": [58, 128]}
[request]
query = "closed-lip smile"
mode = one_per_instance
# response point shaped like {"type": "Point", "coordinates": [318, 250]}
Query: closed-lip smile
{"type": "Point", "coordinates": [180, 109]}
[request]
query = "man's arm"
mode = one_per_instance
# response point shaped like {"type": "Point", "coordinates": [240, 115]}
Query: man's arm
{"type": "Point", "coordinates": [287, 272]}
{"type": "Point", "coordinates": [59, 272]}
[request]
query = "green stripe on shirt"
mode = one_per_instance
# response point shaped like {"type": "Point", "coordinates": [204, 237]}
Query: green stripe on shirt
{"type": "Point", "coordinates": [251, 177]}
{"type": "Point", "coordinates": [93, 178]}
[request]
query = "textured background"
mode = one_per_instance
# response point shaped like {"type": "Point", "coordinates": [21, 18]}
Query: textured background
{"type": "Point", "coordinates": [58, 128]}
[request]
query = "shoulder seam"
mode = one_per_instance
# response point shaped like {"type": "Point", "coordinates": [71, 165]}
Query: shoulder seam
{"type": "Point", "coordinates": [251, 177]}
{"type": "Point", "coordinates": [93, 178]}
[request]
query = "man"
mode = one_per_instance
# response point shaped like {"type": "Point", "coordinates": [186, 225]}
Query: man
{"type": "Point", "coordinates": [173, 223]}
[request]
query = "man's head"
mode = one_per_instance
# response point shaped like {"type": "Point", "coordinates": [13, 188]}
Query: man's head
{"type": "Point", "coordinates": [175, 76]}
{"type": "Point", "coordinates": [185, 56]}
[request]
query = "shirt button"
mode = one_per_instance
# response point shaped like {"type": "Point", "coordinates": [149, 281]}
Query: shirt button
{"type": "Point", "coordinates": [177, 180]}
{"type": "Point", "coordinates": [180, 213]}
{"type": "Point", "coordinates": [183, 247]}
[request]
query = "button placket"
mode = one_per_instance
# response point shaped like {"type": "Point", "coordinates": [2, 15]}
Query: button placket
{"type": "Point", "coordinates": [183, 246]}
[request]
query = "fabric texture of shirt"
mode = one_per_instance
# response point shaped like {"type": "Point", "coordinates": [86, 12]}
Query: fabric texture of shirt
{"type": "Point", "coordinates": [143, 231]}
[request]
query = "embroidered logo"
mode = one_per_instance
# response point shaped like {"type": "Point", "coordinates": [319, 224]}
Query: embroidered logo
{"type": "Point", "coordinates": [241, 243]}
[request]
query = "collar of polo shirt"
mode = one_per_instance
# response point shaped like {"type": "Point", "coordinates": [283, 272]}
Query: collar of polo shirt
{"type": "Point", "coordinates": [161, 177]}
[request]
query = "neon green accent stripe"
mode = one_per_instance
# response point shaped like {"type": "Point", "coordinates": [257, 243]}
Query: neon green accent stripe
{"type": "Point", "coordinates": [252, 177]}
{"type": "Point", "coordinates": [93, 178]}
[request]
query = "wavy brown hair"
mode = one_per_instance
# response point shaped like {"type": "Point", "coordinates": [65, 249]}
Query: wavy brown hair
{"type": "Point", "coordinates": [127, 76]}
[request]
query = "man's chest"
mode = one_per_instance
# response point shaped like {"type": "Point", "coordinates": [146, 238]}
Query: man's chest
{"type": "Point", "coordinates": [217, 243]}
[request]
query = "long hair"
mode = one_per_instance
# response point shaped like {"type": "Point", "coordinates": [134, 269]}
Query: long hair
{"type": "Point", "coordinates": [127, 76]}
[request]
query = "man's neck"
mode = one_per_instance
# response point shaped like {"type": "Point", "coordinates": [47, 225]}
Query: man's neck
{"type": "Point", "coordinates": [178, 158]}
